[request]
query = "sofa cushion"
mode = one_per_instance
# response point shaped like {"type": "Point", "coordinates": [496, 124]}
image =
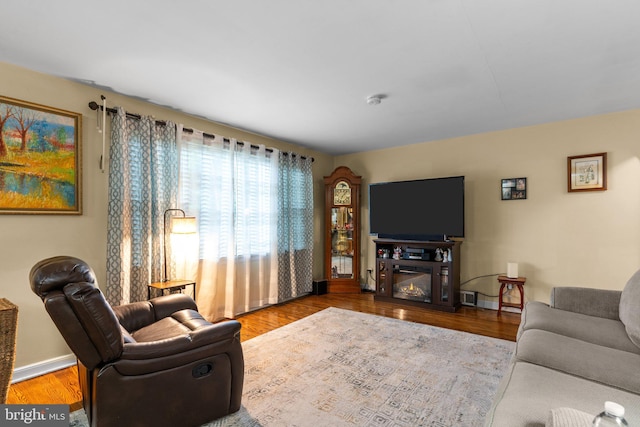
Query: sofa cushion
{"type": "Point", "coordinates": [596, 330]}
{"type": "Point", "coordinates": [590, 361]}
{"type": "Point", "coordinates": [630, 308]}
{"type": "Point", "coordinates": [528, 392]}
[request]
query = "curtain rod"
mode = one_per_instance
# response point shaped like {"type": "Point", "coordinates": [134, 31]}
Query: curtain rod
{"type": "Point", "coordinates": [95, 106]}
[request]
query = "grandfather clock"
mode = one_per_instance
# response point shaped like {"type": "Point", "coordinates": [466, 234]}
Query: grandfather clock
{"type": "Point", "coordinates": [342, 231]}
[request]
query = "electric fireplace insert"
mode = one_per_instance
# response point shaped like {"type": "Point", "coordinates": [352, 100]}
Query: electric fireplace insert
{"type": "Point", "coordinates": [412, 283]}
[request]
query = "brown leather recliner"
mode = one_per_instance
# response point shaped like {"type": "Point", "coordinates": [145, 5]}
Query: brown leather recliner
{"type": "Point", "coordinates": [151, 363]}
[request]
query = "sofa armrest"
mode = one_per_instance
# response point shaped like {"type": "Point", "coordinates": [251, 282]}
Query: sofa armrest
{"type": "Point", "coordinates": [592, 302]}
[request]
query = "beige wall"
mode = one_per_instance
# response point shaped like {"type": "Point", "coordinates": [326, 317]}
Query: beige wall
{"type": "Point", "coordinates": [589, 239]}
{"type": "Point", "coordinates": [27, 239]}
{"type": "Point", "coordinates": [558, 238]}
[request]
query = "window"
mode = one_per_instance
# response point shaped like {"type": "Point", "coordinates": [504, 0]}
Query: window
{"type": "Point", "coordinates": [232, 189]}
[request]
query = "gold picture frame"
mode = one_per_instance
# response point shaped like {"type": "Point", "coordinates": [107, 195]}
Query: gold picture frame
{"type": "Point", "coordinates": [40, 159]}
{"type": "Point", "coordinates": [587, 172]}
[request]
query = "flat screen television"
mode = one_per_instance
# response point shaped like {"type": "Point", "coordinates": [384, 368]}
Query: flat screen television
{"type": "Point", "coordinates": [424, 209]}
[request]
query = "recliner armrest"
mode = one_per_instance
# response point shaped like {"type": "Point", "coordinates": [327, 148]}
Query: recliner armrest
{"type": "Point", "coordinates": [165, 306]}
{"type": "Point", "coordinates": [593, 302]}
{"type": "Point", "coordinates": [137, 315]}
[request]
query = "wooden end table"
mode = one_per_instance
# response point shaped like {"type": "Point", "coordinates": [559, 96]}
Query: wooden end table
{"type": "Point", "coordinates": [518, 282]}
{"type": "Point", "coordinates": [172, 286]}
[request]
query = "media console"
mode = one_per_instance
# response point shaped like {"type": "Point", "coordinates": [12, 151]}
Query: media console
{"type": "Point", "coordinates": [418, 273]}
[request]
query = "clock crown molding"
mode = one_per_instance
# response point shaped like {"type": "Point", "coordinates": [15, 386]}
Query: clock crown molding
{"type": "Point", "coordinates": [341, 173]}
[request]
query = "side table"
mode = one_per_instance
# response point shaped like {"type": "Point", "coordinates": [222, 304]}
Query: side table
{"type": "Point", "coordinates": [171, 286]}
{"type": "Point", "coordinates": [518, 282]}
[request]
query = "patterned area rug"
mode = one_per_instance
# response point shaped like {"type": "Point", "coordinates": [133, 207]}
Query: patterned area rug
{"type": "Point", "coordinates": [344, 368]}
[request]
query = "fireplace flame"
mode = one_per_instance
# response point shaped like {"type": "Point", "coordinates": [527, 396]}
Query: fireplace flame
{"type": "Point", "coordinates": [412, 290]}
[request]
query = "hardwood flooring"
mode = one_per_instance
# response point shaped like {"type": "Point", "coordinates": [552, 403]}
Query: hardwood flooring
{"type": "Point", "coordinates": [61, 387]}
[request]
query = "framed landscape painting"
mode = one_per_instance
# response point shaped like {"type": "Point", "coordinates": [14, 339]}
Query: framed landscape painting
{"type": "Point", "coordinates": [40, 159]}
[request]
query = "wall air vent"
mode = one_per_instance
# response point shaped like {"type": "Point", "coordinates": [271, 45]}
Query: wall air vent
{"type": "Point", "coordinates": [469, 298]}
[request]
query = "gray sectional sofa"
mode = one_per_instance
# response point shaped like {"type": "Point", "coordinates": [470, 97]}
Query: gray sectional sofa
{"type": "Point", "coordinates": [570, 357]}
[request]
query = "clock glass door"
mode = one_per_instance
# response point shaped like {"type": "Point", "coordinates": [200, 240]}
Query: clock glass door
{"type": "Point", "coordinates": [341, 243]}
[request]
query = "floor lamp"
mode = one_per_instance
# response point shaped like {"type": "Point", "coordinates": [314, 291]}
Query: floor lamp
{"type": "Point", "coordinates": [178, 225]}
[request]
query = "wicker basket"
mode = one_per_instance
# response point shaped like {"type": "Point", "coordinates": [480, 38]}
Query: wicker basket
{"type": "Point", "coordinates": [8, 324]}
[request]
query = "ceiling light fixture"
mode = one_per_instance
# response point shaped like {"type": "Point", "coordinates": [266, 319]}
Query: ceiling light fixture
{"type": "Point", "coordinates": [374, 99]}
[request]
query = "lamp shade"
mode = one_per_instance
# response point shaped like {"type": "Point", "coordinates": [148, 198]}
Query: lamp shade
{"type": "Point", "coordinates": [183, 225]}
{"type": "Point", "coordinates": [512, 270]}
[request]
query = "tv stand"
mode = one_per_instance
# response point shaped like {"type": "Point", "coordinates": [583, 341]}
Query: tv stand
{"type": "Point", "coordinates": [418, 273]}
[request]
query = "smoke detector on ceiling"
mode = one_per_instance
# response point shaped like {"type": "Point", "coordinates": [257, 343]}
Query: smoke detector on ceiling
{"type": "Point", "coordinates": [374, 99]}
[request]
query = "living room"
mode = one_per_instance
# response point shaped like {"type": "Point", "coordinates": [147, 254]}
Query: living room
{"type": "Point", "coordinates": [558, 238]}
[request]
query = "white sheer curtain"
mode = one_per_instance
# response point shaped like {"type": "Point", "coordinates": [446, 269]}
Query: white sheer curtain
{"type": "Point", "coordinates": [232, 190]}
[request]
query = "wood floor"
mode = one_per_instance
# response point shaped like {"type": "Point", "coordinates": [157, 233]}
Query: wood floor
{"type": "Point", "coordinates": [61, 387]}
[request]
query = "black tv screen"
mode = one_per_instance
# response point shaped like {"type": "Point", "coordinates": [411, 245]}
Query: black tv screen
{"type": "Point", "coordinates": [425, 209]}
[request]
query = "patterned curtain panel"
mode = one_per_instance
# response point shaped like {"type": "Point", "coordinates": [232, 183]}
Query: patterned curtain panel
{"type": "Point", "coordinates": [143, 183]}
{"type": "Point", "coordinates": [231, 188]}
{"type": "Point", "coordinates": [295, 226]}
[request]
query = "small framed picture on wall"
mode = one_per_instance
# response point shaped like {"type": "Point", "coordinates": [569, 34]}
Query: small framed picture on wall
{"type": "Point", "coordinates": [514, 189]}
{"type": "Point", "coordinates": [587, 172]}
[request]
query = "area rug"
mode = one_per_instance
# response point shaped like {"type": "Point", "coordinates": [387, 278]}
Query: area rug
{"type": "Point", "coordinates": [344, 368]}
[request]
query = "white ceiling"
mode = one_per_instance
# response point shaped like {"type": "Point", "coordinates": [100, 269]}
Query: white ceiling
{"type": "Point", "coordinates": [301, 70]}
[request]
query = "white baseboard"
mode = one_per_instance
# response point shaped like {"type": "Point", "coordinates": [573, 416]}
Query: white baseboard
{"type": "Point", "coordinates": [36, 369]}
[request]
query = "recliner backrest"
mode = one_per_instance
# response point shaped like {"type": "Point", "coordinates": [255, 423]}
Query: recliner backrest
{"type": "Point", "coordinates": [54, 273]}
{"type": "Point", "coordinates": [79, 310]}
